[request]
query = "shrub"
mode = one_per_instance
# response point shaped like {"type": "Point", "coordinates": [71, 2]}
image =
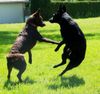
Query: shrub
{"type": "Point", "coordinates": [76, 10]}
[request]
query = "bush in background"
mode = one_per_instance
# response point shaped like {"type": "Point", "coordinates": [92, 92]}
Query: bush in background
{"type": "Point", "coordinates": [76, 9]}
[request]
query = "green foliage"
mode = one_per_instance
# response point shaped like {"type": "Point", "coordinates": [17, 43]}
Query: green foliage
{"type": "Point", "coordinates": [76, 10]}
{"type": "Point", "coordinates": [40, 77]}
{"type": "Point", "coordinates": [75, 0]}
{"type": "Point", "coordinates": [44, 5]}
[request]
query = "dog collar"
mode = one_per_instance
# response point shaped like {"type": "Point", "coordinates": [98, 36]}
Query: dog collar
{"type": "Point", "coordinates": [33, 25]}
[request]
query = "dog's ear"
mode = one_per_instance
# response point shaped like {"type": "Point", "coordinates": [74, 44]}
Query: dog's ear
{"type": "Point", "coordinates": [37, 13]}
{"type": "Point", "coordinates": [64, 8]}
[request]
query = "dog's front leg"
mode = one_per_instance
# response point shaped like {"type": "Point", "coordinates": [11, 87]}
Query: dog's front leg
{"type": "Point", "coordinates": [48, 41]}
{"type": "Point", "coordinates": [59, 45]}
{"type": "Point", "coordinates": [30, 56]}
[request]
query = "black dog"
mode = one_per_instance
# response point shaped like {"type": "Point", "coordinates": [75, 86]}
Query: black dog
{"type": "Point", "coordinates": [24, 42]}
{"type": "Point", "coordinates": [73, 38]}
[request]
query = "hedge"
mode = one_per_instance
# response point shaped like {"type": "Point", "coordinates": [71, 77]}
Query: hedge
{"type": "Point", "coordinates": [76, 10]}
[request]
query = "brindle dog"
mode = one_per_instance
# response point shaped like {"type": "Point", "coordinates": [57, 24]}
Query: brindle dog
{"type": "Point", "coordinates": [24, 42]}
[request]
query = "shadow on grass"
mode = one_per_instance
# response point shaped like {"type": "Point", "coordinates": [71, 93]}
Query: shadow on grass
{"type": "Point", "coordinates": [68, 82]}
{"type": "Point", "coordinates": [7, 37]}
{"type": "Point", "coordinates": [12, 85]}
{"type": "Point", "coordinates": [88, 36]}
{"type": "Point", "coordinates": [92, 35]}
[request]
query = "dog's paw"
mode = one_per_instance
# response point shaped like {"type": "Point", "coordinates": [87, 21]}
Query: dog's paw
{"type": "Point", "coordinates": [55, 66]}
{"type": "Point", "coordinates": [56, 50]}
{"type": "Point", "coordinates": [30, 61]}
{"type": "Point", "coordinates": [60, 75]}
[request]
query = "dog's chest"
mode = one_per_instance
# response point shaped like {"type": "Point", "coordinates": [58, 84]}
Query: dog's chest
{"type": "Point", "coordinates": [66, 34]}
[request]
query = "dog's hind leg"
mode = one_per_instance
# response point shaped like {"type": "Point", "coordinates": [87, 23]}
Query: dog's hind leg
{"type": "Point", "coordinates": [9, 70]}
{"type": "Point", "coordinates": [21, 67]}
{"type": "Point", "coordinates": [65, 55]}
{"type": "Point", "coordinates": [9, 67]}
{"type": "Point", "coordinates": [72, 64]}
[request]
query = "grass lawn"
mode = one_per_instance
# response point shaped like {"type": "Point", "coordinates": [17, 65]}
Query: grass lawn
{"type": "Point", "coordinates": [40, 77]}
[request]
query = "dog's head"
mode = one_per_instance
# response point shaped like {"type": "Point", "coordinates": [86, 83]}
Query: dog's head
{"type": "Point", "coordinates": [35, 19]}
{"type": "Point", "coordinates": [58, 15]}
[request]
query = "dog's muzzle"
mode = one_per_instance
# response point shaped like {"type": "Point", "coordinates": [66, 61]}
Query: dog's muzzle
{"type": "Point", "coordinates": [42, 24]}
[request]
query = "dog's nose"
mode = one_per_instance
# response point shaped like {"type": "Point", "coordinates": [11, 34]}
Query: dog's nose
{"type": "Point", "coordinates": [51, 20]}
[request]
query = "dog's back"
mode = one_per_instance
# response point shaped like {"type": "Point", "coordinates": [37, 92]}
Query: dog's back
{"type": "Point", "coordinates": [25, 40]}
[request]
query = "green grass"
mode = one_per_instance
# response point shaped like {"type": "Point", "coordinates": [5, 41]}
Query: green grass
{"type": "Point", "coordinates": [40, 77]}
